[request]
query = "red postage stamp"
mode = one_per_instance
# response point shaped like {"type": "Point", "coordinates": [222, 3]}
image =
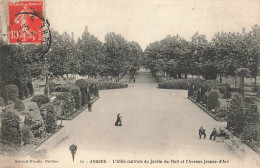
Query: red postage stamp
{"type": "Point", "coordinates": [26, 22]}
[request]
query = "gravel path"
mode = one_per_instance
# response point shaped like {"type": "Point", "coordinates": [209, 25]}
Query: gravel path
{"type": "Point", "coordinates": [157, 124]}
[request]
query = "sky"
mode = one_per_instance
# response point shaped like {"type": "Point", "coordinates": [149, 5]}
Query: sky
{"type": "Point", "coordinates": [146, 21]}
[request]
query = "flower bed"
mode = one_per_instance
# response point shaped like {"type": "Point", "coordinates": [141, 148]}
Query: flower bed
{"type": "Point", "coordinates": [71, 116]}
{"type": "Point", "coordinates": [212, 114]}
{"type": "Point", "coordinates": [12, 151]}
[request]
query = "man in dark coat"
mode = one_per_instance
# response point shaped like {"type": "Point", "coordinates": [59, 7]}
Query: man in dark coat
{"type": "Point", "coordinates": [118, 120]}
{"type": "Point", "coordinates": [213, 134]}
{"type": "Point", "coordinates": [202, 131]}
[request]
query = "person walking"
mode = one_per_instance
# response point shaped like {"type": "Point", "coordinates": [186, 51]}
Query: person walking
{"type": "Point", "coordinates": [202, 131]}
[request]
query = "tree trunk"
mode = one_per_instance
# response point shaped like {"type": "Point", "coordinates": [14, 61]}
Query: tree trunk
{"type": "Point", "coordinates": [46, 88]}
{"type": "Point", "coordinates": [220, 78]}
{"type": "Point", "coordinates": [235, 81]}
{"type": "Point", "coordinates": [186, 75]}
{"type": "Point", "coordinates": [242, 80]}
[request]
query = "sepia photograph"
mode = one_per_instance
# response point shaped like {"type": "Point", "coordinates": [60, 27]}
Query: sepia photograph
{"type": "Point", "coordinates": [129, 83]}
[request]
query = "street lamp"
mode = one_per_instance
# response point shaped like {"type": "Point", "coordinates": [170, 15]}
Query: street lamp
{"type": "Point", "coordinates": [21, 124]}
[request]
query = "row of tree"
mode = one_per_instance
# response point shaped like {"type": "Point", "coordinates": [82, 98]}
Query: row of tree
{"type": "Point", "coordinates": [86, 56]}
{"type": "Point", "coordinates": [89, 56]}
{"type": "Point", "coordinates": [223, 55]}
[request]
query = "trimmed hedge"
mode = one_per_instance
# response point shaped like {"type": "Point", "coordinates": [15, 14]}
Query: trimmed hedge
{"type": "Point", "coordinates": [50, 118]}
{"type": "Point", "coordinates": [40, 99]}
{"type": "Point", "coordinates": [12, 92]}
{"type": "Point", "coordinates": [10, 133]}
{"type": "Point", "coordinates": [213, 102]}
{"type": "Point", "coordinates": [81, 83]}
{"type": "Point", "coordinates": [19, 84]}
{"type": "Point", "coordinates": [235, 118]}
{"type": "Point", "coordinates": [77, 97]}
{"type": "Point", "coordinates": [19, 106]}
{"type": "Point", "coordinates": [175, 84]}
{"type": "Point", "coordinates": [68, 104]}
{"type": "Point", "coordinates": [84, 98]}
{"type": "Point", "coordinates": [34, 119]}
{"type": "Point", "coordinates": [30, 88]}
{"type": "Point", "coordinates": [111, 85]}
{"type": "Point", "coordinates": [62, 88]}
{"type": "Point", "coordinates": [27, 135]}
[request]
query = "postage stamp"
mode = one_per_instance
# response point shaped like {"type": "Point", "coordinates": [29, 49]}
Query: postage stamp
{"type": "Point", "coordinates": [26, 23]}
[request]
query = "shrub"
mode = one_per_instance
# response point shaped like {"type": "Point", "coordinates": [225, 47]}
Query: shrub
{"type": "Point", "coordinates": [50, 118]}
{"type": "Point", "coordinates": [10, 127]}
{"type": "Point", "coordinates": [81, 83]}
{"type": "Point", "coordinates": [25, 91]}
{"type": "Point", "coordinates": [84, 98]}
{"type": "Point", "coordinates": [251, 132]}
{"type": "Point", "coordinates": [91, 88]}
{"type": "Point", "coordinates": [227, 94]}
{"type": "Point", "coordinates": [68, 104]}
{"type": "Point", "coordinates": [222, 89]}
{"type": "Point", "coordinates": [77, 97]}
{"type": "Point", "coordinates": [96, 90]}
{"type": "Point", "coordinates": [27, 134]}
{"type": "Point", "coordinates": [221, 113]}
{"type": "Point", "coordinates": [34, 119]}
{"type": "Point", "coordinates": [19, 106]}
{"type": "Point", "coordinates": [12, 92]}
{"type": "Point", "coordinates": [30, 88]}
{"type": "Point", "coordinates": [235, 119]}
{"type": "Point", "coordinates": [3, 93]}
{"type": "Point", "coordinates": [62, 88]}
{"type": "Point", "coordinates": [191, 89]}
{"type": "Point", "coordinates": [175, 84]}
{"type": "Point", "coordinates": [213, 101]}
{"type": "Point", "coordinates": [111, 85]}
{"type": "Point", "coordinates": [204, 99]}
{"type": "Point", "coordinates": [52, 86]}
{"type": "Point", "coordinates": [19, 84]}
{"type": "Point", "coordinates": [40, 99]}
{"type": "Point", "coordinates": [2, 101]}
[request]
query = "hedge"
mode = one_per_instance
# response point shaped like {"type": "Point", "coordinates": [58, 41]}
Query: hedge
{"type": "Point", "coordinates": [12, 92]}
{"type": "Point", "coordinates": [19, 84]}
{"type": "Point", "coordinates": [68, 104]}
{"type": "Point", "coordinates": [30, 88]}
{"type": "Point", "coordinates": [81, 83]}
{"type": "Point", "coordinates": [111, 85]}
{"type": "Point", "coordinates": [10, 133]}
{"type": "Point", "coordinates": [62, 88]}
{"type": "Point", "coordinates": [50, 118]}
{"type": "Point", "coordinates": [40, 99]}
{"type": "Point", "coordinates": [52, 86]}
{"type": "Point", "coordinates": [175, 84]}
{"type": "Point", "coordinates": [213, 102]}
{"type": "Point", "coordinates": [84, 98]}
{"type": "Point", "coordinates": [27, 134]}
{"type": "Point", "coordinates": [2, 101]}
{"type": "Point", "coordinates": [235, 118]}
{"type": "Point", "coordinates": [3, 93]}
{"type": "Point", "coordinates": [19, 106]}
{"type": "Point", "coordinates": [34, 119]}
{"type": "Point", "coordinates": [77, 97]}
